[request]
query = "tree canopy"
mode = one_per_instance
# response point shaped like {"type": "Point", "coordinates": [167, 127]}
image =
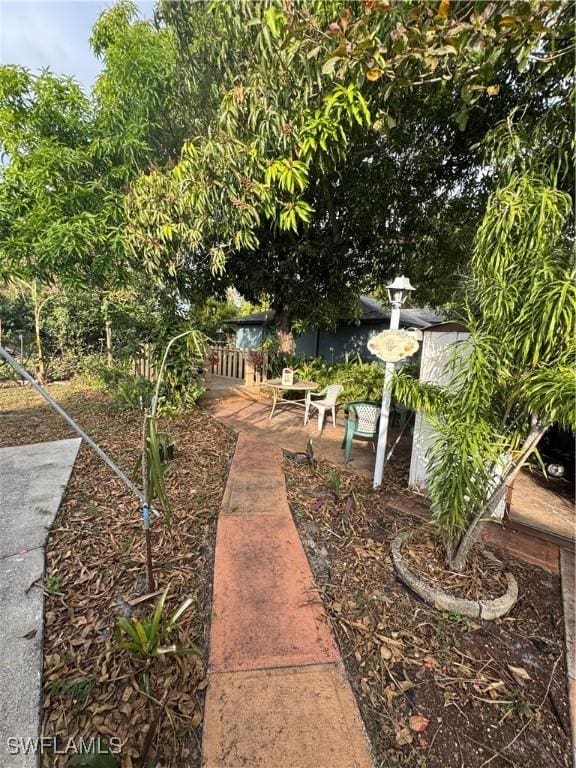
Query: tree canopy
{"type": "Point", "coordinates": [300, 152]}
{"type": "Point", "coordinates": [342, 139]}
{"type": "Point", "coordinates": [58, 214]}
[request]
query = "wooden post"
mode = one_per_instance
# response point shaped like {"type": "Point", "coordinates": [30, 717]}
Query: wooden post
{"type": "Point", "coordinates": [249, 371]}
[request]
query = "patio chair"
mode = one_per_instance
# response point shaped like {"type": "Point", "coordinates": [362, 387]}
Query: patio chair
{"type": "Point", "coordinates": [362, 422]}
{"type": "Point", "coordinates": [327, 404]}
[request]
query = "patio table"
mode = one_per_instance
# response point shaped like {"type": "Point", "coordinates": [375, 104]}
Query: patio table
{"type": "Point", "coordinates": [298, 386]}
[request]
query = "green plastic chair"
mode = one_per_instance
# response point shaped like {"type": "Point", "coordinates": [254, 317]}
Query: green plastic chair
{"type": "Point", "coordinates": [362, 422]}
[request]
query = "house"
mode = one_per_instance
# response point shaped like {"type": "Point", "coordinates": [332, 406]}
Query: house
{"type": "Point", "coordinates": [349, 337]}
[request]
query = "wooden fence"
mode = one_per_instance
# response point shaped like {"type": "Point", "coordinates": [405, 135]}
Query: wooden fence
{"type": "Point", "coordinates": [245, 366]}
{"type": "Point", "coordinates": [143, 364]}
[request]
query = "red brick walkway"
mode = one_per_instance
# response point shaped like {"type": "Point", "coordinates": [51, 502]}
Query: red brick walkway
{"type": "Point", "coordinates": [278, 696]}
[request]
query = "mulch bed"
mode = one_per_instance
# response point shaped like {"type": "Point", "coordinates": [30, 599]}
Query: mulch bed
{"type": "Point", "coordinates": [484, 579]}
{"type": "Point", "coordinates": [95, 567]}
{"type": "Point", "coordinates": [435, 690]}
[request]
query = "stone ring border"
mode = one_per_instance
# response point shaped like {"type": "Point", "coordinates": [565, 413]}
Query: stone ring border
{"type": "Point", "coordinates": [444, 601]}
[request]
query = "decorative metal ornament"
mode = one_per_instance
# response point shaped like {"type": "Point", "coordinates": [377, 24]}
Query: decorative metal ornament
{"type": "Point", "coordinates": [393, 346]}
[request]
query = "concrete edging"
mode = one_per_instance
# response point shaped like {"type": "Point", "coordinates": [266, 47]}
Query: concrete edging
{"type": "Point", "coordinates": [443, 601]}
{"type": "Point", "coordinates": [33, 480]}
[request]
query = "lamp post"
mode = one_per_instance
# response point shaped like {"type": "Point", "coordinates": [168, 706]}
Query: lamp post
{"type": "Point", "coordinates": [398, 292]}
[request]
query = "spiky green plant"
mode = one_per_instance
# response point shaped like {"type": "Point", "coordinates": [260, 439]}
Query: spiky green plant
{"type": "Point", "coordinates": [517, 375]}
{"type": "Point", "coordinates": [154, 465]}
{"type": "Point", "coordinates": [145, 638]}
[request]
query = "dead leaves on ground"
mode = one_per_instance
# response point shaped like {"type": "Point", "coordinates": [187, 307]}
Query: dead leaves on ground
{"type": "Point", "coordinates": [95, 555]}
{"type": "Point", "coordinates": [420, 676]}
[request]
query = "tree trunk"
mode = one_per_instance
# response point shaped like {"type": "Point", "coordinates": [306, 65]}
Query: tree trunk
{"type": "Point", "coordinates": [108, 329]}
{"type": "Point", "coordinates": [458, 558]}
{"type": "Point", "coordinates": [37, 308]}
{"type": "Point", "coordinates": [458, 553]}
{"type": "Point", "coordinates": [284, 332]}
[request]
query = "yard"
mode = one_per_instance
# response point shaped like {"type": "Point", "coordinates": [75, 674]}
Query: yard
{"type": "Point", "coordinates": [95, 569]}
{"type": "Point", "coordinates": [378, 196]}
{"type": "Point", "coordinates": [436, 690]}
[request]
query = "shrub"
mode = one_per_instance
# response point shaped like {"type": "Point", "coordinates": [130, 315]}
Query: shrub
{"type": "Point", "coordinates": [361, 381]}
{"type": "Point", "coordinates": [144, 638]}
{"type": "Point", "coordinates": [63, 366]}
{"type": "Point", "coordinates": [180, 390]}
{"type": "Point", "coordinates": [127, 389]}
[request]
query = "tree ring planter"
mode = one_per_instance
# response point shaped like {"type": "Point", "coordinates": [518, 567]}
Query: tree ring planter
{"type": "Point", "coordinates": [444, 601]}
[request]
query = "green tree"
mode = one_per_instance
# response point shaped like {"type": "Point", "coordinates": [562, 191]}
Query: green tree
{"type": "Point", "coordinates": [142, 112]}
{"type": "Point", "coordinates": [138, 99]}
{"type": "Point", "coordinates": [67, 163]}
{"type": "Point", "coordinates": [519, 305]}
{"type": "Point", "coordinates": [59, 217]}
{"type": "Point", "coordinates": [302, 88]}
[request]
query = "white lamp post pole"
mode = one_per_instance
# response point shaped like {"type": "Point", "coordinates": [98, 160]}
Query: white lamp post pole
{"type": "Point", "coordinates": [397, 293]}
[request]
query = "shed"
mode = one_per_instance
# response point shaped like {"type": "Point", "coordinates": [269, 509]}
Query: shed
{"type": "Point", "coordinates": [349, 337]}
{"type": "Point", "coordinates": [444, 348]}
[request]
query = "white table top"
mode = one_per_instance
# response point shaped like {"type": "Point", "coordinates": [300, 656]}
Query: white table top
{"type": "Point", "coordinates": [277, 383]}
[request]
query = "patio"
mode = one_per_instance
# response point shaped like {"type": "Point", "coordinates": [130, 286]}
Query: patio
{"type": "Point", "coordinates": [540, 521]}
{"type": "Point", "coordinates": [286, 429]}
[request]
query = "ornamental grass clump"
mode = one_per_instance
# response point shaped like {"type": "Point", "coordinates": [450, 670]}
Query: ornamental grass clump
{"type": "Point", "coordinates": [145, 638]}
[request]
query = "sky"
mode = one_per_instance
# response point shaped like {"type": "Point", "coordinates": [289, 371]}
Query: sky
{"type": "Point", "coordinates": [53, 34]}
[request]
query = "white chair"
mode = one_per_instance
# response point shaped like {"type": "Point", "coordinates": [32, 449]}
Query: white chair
{"type": "Point", "coordinates": [328, 403]}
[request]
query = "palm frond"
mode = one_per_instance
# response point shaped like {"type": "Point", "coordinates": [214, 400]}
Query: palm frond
{"type": "Point", "coordinates": [551, 393]}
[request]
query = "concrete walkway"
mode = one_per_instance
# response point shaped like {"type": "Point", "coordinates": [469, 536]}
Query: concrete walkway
{"type": "Point", "coordinates": [32, 482]}
{"type": "Point", "coordinates": [278, 696]}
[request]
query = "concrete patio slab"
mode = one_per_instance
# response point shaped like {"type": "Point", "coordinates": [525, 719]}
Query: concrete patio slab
{"type": "Point", "coordinates": [286, 430]}
{"type": "Point", "coordinates": [32, 482]}
{"type": "Point", "coordinates": [22, 612]}
{"type": "Point", "coordinates": [277, 694]}
{"type": "Point", "coordinates": [266, 610]}
{"type": "Point", "coordinates": [264, 458]}
{"type": "Point", "coordinates": [302, 717]}
{"type": "Point", "coordinates": [266, 496]}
